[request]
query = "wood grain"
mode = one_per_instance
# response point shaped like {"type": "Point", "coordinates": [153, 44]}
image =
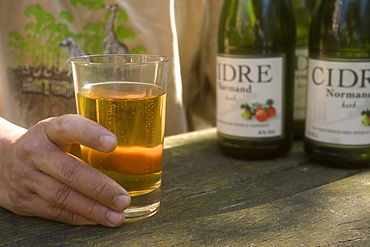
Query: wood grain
{"type": "Point", "coordinates": [211, 200]}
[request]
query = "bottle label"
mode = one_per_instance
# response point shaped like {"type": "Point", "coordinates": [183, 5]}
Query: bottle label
{"type": "Point", "coordinates": [250, 96]}
{"type": "Point", "coordinates": [300, 83]}
{"type": "Point", "coordinates": [338, 101]}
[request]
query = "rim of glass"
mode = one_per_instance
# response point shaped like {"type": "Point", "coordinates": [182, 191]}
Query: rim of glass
{"type": "Point", "coordinates": [84, 59]}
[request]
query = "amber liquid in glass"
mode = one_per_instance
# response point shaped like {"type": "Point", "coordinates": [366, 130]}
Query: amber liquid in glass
{"type": "Point", "coordinates": [135, 113]}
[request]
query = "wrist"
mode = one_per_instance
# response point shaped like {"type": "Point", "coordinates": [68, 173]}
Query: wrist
{"type": "Point", "coordinates": [9, 133]}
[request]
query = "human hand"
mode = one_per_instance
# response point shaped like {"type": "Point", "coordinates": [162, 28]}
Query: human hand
{"type": "Point", "coordinates": [39, 178]}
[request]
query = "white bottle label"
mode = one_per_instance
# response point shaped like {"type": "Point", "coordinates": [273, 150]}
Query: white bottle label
{"type": "Point", "coordinates": [337, 101]}
{"type": "Point", "coordinates": [300, 83]}
{"type": "Point", "coordinates": [250, 96]}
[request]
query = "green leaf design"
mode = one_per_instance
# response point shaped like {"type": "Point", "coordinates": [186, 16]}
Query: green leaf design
{"type": "Point", "coordinates": [256, 104]}
{"type": "Point", "coordinates": [16, 36]}
{"type": "Point", "coordinates": [90, 4]}
{"type": "Point", "coordinates": [365, 112]}
{"type": "Point", "coordinates": [139, 49]}
{"type": "Point", "coordinates": [269, 102]}
{"type": "Point", "coordinates": [67, 16]}
{"type": "Point", "coordinates": [121, 16]}
{"type": "Point", "coordinates": [39, 43]}
{"type": "Point", "coordinates": [125, 33]}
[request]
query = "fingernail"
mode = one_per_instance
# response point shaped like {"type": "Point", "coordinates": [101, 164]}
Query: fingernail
{"type": "Point", "coordinates": [121, 202]}
{"type": "Point", "coordinates": [115, 218]}
{"type": "Point", "coordinates": [107, 142]}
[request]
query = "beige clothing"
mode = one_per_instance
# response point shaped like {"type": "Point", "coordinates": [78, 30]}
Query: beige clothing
{"type": "Point", "coordinates": [35, 77]}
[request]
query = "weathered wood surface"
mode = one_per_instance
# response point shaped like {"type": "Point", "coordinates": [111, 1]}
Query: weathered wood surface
{"type": "Point", "coordinates": [212, 200]}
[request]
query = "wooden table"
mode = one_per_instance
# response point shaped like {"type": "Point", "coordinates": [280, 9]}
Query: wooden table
{"type": "Point", "coordinates": [211, 200]}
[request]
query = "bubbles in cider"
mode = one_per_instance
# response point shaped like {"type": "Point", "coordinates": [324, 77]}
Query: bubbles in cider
{"type": "Point", "coordinates": [135, 113]}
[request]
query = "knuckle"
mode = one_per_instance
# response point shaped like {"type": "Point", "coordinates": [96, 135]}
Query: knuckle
{"type": "Point", "coordinates": [90, 209]}
{"type": "Point", "coordinates": [68, 169]}
{"type": "Point", "coordinates": [31, 143]}
{"type": "Point", "coordinates": [41, 124]}
{"type": "Point", "coordinates": [26, 154]}
{"type": "Point", "coordinates": [86, 131]}
{"type": "Point", "coordinates": [61, 195]}
{"type": "Point", "coordinates": [40, 127]}
{"type": "Point", "coordinates": [18, 173]}
{"type": "Point", "coordinates": [89, 129]}
{"type": "Point", "coordinates": [16, 199]}
{"type": "Point", "coordinates": [55, 213]}
{"type": "Point", "coordinates": [62, 215]}
{"type": "Point", "coordinates": [100, 188]}
{"type": "Point", "coordinates": [74, 219]}
{"type": "Point", "coordinates": [16, 186]}
{"type": "Point", "coordinates": [60, 124]}
{"type": "Point", "coordinates": [24, 151]}
{"type": "Point", "coordinates": [19, 201]}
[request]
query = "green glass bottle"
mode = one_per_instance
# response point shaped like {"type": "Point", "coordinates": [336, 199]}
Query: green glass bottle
{"type": "Point", "coordinates": [302, 11]}
{"type": "Point", "coordinates": [255, 78]}
{"type": "Point", "coordinates": [338, 98]}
